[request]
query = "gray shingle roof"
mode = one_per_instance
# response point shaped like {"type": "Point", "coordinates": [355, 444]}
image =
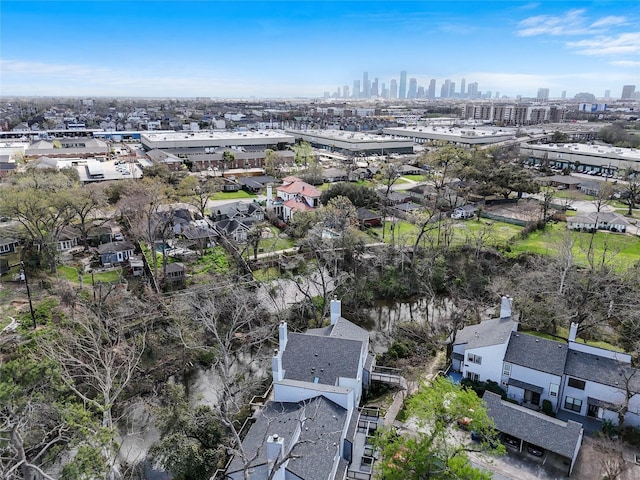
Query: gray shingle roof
{"type": "Point", "coordinates": [321, 424]}
{"type": "Point", "coordinates": [536, 353]}
{"type": "Point", "coordinates": [484, 334]}
{"type": "Point", "coordinates": [533, 427]}
{"type": "Point", "coordinates": [328, 358]}
{"type": "Point", "coordinates": [602, 370]}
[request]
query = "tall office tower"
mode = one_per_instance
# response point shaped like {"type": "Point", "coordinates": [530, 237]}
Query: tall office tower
{"type": "Point", "coordinates": [413, 88]}
{"type": "Point", "coordinates": [487, 94]}
{"type": "Point", "coordinates": [446, 88]}
{"type": "Point", "coordinates": [497, 95]}
{"type": "Point", "coordinates": [420, 93]}
{"type": "Point", "coordinates": [356, 89]}
{"type": "Point", "coordinates": [463, 84]}
{"type": "Point", "coordinates": [366, 85]}
{"type": "Point", "coordinates": [374, 88]}
{"type": "Point", "coordinates": [607, 94]}
{"type": "Point", "coordinates": [384, 92]}
{"type": "Point", "coordinates": [338, 93]}
{"type": "Point", "coordinates": [472, 91]}
{"type": "Point", "coordinates": [393, 90]}
{"type": "Point", "coordinates": [402, 92]}
{"type": "Point", "coordinates": [543, 94]}
{"type": "Point", "coordinates": [452, 89]}
{"type": "Point", "coordinates": [432, 89]}
{"type": "Point", "coordinates": [563, 95]}
{"type": "Point", "coordinates": [345, 91]}
{"type": "Point", "coordinates": [627, 92]}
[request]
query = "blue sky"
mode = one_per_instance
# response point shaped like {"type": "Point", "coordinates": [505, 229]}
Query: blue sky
{"type": "Point", "coordinates": [304, 48]}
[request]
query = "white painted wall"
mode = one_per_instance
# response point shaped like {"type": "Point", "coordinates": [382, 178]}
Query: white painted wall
{"type": "Point", "coordinates": [491, 366]}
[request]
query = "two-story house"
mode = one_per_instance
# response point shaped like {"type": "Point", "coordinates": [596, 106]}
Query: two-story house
{"type": "Point", "coordinates": [292, 196]}
{"type": "Point", "coordinates": [479, 350]}
{"type": "Point", "coordinates": [309, 429]}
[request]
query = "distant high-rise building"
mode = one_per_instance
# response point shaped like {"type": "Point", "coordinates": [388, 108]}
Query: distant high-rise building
{"type": "Point", "coordinates": [472, 90]}
{"type": "Point", "coordinates": [563, 95]}
{"type": "Point", "coordinates": [384, 92]}
{"type": "Point", "coordinates": [463, 84]}
{"type": "Point", "coordinates": [345, 91]}
{"type": "Point", "coordinates": [432, 89]}
{"type": "Point", "coordinates": [366, 85]}
{"type": "Point", "coordinates": [420, 93]}
{"type": "Point", "coordinates": [393, 89]}
{"type": "Point", "coordinates": [607, 94]}
{"type": "Point", "coordinates": [452, 89]}
{"type": "Point", "coordinates": [445, 89]}
{"type": "Point", "coordinates": [327, 95]}
{"type": "Point", "coordinates": [413, 88]}
{"type": "Point", "coordinates": [402, 92]}
{"type": "Point", "coordinates": [627, 92]}
{"type": "Point", "coordinates": [543, 94]}
{"type": "Point", "coordinates": [374, 88]}
{"type": "Point", "coordinates": [356, 89]}
{"type": "Point", "coordinates": [497, 95]}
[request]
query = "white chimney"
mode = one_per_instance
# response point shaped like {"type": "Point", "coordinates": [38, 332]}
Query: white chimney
{"type": "Point", "coordinates": [336, 310]}
{"type": "Point", "coordinates": [269, 197]}
{"type": "Point", "coordinates": [276, 367]}
{"type": "Point", "coordinates": [275, 453]}
{"type": "Point", "coordinates": [505, 307]}
{"type": "Point", "coordinates": [573, 332]}
{"type": "Point", "coordinates": [282, 336]}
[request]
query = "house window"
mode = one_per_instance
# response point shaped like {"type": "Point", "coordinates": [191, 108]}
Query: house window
{"type": "Point", "coordinates": [474, 358]}
{"type": "Point", "coordinates": [573, 404]}
{"type": "Point", "coordinates": [473, 376]}
{"type": "Point", "coordinates": [553, 390]}
{"type": "Point", "coordinates": [506, 369]}
{"type": "Point", "coordinates": [575, 383]}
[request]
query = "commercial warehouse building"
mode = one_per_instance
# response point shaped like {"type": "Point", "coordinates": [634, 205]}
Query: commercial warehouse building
{"type": "Point", "coordinates": [354, 143]}
{"type": "Point", "coordinates": [465, 136]}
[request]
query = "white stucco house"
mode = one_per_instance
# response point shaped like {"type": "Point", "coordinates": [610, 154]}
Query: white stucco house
{"type": "Point", "coordinates": [312, 428]}
{"type": "Point", "coordinates": [576, 378]}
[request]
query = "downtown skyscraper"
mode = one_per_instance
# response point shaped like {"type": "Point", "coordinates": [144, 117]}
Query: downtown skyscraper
{"type": "Point", "coordinates": [402, 92]}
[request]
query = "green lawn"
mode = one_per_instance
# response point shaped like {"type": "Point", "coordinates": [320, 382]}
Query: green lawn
{"type": "Point", "coordinates": [240, 194]}
{"type": "Point", "coordinates": [215, 259]}
{"type": "Point", "coordinates": [563, 333]}
{"type": "Point", "coordinates": [622, 250]}
{"type": "Point", "coordinates": [71, 274]}
{"type": "Point", "coordinates": [460, 233]}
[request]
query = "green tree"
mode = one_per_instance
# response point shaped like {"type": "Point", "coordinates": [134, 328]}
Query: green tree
{"type": "Point", "coordinates": [197, 191]}
{"type": "Point", "coordinates": [303, 153]}
{"type": "Point", "coordinates": [190, 445]}
{"type": "Point", "coordinates": [434, 453]}
{"type": "Point", "coordinates": [41, 201]}
{"type": "Point", "coordinates": [360, 195]}
{"type": "Point", "coordinates": [228, 157]}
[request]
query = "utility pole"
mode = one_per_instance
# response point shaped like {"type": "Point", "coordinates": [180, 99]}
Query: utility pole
{"type": "Point", "coordinates": [23, 276]}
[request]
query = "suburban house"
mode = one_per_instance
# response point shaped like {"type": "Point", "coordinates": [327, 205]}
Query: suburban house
{"type": "Point", "coordinates": [478, 350]}
{"type": "Point", "coordinates": [312, 428]}
{"type": "Point", "coordinates": [368, 218]}
{"type": "Point", "coordinates": [238, 210]}
{"type": "Point", "coordinates": [115, 252]}
{"type": "Point", "coordinates": [576, 378]}
{"type": "Point", "coordinates": [236, 229]}
{"type": "Point", "coordinates": [8, 245]}
{"type": "Point", "coordinates": [68, 238]}
{"type": "Point", "coordinates": [175, 273]}
{"type": "Point", "coordinates": [292, 196]}
{"type": "Point", "coordinates": [586, 222]}
{"type": "Point", "coordinates": [332, 175]}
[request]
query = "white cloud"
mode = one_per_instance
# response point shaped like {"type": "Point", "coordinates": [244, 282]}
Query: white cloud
{"type": "Point", "coordinates": [622, 44]}
{"type": "Point", "coordinates": [571, 23]}
{"type": "Point", "coordinates": [609, 21]}
{"type": "Point", "coordinates": [574, 22]}
{"type": "Point", "coordinates": [626, 63]}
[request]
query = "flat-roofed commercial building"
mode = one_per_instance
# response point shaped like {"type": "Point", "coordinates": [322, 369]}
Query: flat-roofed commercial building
{"type": "Point", "coordinates": [353, 143]}
{"type": "Point", "coordinates": [581, 157]}
{"type": "Point", "coordinates": [206, 141]}
{"type": "Point", "coordinates": [460, 136]}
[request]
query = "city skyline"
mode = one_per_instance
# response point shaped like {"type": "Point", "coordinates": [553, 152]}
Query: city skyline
{"type": "Point", "coordinates": [292, 49]}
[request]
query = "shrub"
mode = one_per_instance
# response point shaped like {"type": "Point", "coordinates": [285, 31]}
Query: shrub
{"type": "Point", "coordinates": [547, 407]}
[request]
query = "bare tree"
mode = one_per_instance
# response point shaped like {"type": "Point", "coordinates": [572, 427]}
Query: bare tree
{"type": "Point", "coordinates": [97, 359]}
{"type": "Point", "coordinates": [611, 457]}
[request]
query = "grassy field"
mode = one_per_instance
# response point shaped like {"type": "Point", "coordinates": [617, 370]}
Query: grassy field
{"type": "Point", "coordinates": [563, 333]}
{"type": "Point", "coordinates": [71, 274]}
{"type": "Point", "coordinates": [622, 250]}
{"type": "Point", "coordinates": [463, 232]}
{"type": "Point", "coordinates": [240, 194]}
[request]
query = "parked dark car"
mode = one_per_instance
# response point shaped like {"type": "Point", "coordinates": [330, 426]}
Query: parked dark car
{"type": "Point", "coordinates": [535, 451]}
{"type": "Point", "coordinates": [511, 441]}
